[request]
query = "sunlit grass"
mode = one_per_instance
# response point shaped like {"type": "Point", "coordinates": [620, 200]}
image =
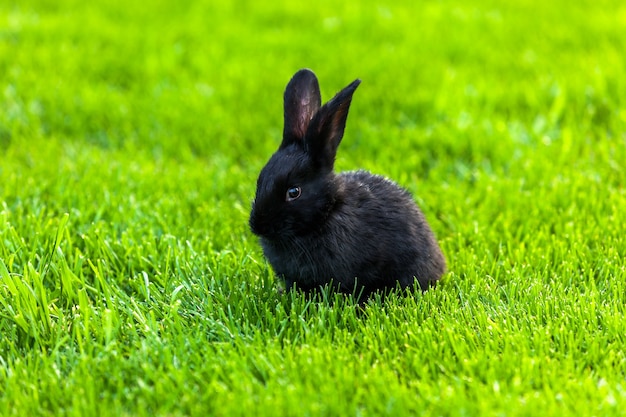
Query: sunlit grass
{"type": "Point", "coordinates": [130, 141]}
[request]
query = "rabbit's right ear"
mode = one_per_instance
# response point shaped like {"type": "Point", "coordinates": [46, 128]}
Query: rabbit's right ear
{"type": "Point", "coordinates": [302, 100]}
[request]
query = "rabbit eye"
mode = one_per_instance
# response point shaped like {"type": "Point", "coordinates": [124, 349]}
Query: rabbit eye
{"type": "Point", "coordinates": [293, 193]}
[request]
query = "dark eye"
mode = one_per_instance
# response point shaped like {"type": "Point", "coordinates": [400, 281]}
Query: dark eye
{"type": "Point", "coordinates": [293, 193]}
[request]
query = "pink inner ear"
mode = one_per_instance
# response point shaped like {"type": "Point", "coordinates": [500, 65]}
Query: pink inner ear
{"type": "Point", "coordinates": [305, 116]}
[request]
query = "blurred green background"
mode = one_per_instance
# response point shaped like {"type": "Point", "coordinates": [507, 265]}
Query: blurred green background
{"type": "Point", "coordinates": [131, 135]}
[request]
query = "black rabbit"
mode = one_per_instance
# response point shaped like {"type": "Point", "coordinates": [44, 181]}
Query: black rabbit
{"type": "Point", "coordinates": [359, 231]}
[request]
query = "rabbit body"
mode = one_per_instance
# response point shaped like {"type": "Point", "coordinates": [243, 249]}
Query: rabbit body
{"type": "Point", "coordinates": [359, 231]}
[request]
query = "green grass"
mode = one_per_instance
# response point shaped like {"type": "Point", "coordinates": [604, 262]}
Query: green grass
{"type": "Point", "coordinates": [131, 136]}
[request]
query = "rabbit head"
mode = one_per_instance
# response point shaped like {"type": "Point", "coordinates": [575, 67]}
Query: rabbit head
{"type": "Point", "coordinates": [296, 189]}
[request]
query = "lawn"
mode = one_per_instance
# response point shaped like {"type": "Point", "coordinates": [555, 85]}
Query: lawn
{"type": "Point", "coordinates": [131, 136]}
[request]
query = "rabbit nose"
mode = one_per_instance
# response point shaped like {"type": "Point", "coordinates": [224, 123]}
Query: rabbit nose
{"type": "Point", "coordinates": [256, 223]}
{"type": "Point", "coordinates": [262, 225]}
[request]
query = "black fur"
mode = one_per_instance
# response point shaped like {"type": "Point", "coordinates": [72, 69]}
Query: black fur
{"type": "Point", "coordinates": [360, 231]}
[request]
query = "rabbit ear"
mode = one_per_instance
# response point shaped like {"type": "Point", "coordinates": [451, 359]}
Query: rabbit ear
{"type": "Point", "coordinates": [302, 100]}
{"type": "Point", "coordinates": [326, 129]}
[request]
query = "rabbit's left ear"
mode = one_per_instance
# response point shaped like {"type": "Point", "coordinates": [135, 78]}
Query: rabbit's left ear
{"type": "Point", "coordinates": [302, 100]}
{"type": "Point", "coordinates": [325, 131]}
